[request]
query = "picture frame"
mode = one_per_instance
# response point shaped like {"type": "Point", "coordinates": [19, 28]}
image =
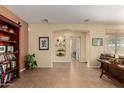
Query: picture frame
{"type": "Point", "coordinates": [2, 49]}
{"type": "Point", "coordinates": [43, 43]}
{"type": "Point", "coordinates": [97, 41]}
{"type": "Point", "coordinates": [10, 48]}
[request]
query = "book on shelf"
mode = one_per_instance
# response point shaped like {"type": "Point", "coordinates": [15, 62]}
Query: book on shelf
{"type": "Point", "coordinates": [13, 64]}
{"type": "Point", "coordinates": [7, 57]}
{"type": "Point", "coordinates": [8, 77]}
{"type": "Point", "coordinates": [5, 78]}
{"type": "Point", "coordinates": [14, 74]}
{"type": "Point", "coordinates": [7, 66]}
{"type": "Point", "coordinates": [2, 58]}
{"type": "Point", "coordinates": [1, 81]}
{"type": "Point", "coordinates": [1, 70]}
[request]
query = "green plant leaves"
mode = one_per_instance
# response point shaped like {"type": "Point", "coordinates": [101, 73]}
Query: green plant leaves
{"type": "Point", "coordinates": [30, 61]}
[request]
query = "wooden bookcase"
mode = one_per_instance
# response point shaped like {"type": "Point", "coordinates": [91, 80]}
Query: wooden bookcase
{"type": "Point", "coordinates": [9, 51]}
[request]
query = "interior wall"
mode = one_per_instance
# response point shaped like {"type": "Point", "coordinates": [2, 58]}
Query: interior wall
{"type": "Point", "coordinates": [23, 33]}
{"type": "Point", "coordinates": [45, 58]}
{"type": "Point", "coordinates": [68, 35]}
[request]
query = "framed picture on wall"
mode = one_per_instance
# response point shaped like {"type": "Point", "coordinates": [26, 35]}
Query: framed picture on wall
{"type": "Point", "coordinates": [97, 41]}
{"type": "Point", "coordinates": [10, 48]}
{"type": "Point", "coordinates": [2, 49]}
{"type": "Point", "coordinates": [43, 43]}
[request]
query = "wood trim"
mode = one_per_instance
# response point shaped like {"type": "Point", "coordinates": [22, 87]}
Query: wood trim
{"type": "Point", "coordinates": [9, 21]}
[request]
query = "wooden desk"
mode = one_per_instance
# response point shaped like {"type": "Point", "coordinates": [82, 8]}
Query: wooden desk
{"type": "Point", "coordinates": [112, 70]}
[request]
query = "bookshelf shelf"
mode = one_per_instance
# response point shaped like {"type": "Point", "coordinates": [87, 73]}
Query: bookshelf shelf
{"type": "Point", "coordinates": [5, 62]}
{"type": "Point", "coordinates": [7, 32]}
{"type": "Point", "coordinates": [10, 70]}
{"type": "Point", "coordinates": [14, 42]}
{"type": "Point", "coordinates": [9, 51]}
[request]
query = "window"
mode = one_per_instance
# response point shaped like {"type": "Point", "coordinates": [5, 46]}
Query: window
{"type": "Point", "coordinates": [115, 44]}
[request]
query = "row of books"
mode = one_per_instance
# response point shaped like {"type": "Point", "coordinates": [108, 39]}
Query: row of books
{"type": "Point", "coordinates": [1, 71]}
{"type": "Point", "coordinates": [6, 57]}
{"type": "Point", "coordinates": [1, 81]}
{"type": "Point", "coordinates": [7, 66]}
{"type": "Point", "coordinates": [8, 77]}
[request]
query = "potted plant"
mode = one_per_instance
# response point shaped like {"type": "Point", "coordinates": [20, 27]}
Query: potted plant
{"type": "Point", "coordinates": [30, 61]}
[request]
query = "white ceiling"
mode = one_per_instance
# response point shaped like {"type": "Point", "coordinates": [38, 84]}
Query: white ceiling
{"type": "Point", "coordinates": [70, 14]}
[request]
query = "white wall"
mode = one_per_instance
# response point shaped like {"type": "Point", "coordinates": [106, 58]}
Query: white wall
{"type": "Point", "coordinates": [45, 58]}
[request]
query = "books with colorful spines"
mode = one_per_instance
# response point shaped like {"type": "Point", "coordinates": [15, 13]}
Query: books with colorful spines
{"type": "Point", "coordinates": [14, 74]}
{"type": "Point", "coordinates": [9, 77]}
{"type": "Point", "coordinates": [5, 79]}
{"type": "Point", "coordinates": [8, 57]}
{"type": "Point", "coordinates": [3, 68]}
{"type": "Point", "coordinates": [0, 81]}
{"type": "Point", "coordinates": [2, 58]}
{"type": "Point", "coordinates": [13, 64]}
{"type": "Point", "coordinates": [5, 57]}
{"type": "Point", "coordinates": [8, 67]}
{"type": "Point", "coordinates": [13, 57]}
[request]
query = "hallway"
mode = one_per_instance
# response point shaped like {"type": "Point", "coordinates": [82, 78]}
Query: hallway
{"type": "Point", "coordinates": [64, 75]}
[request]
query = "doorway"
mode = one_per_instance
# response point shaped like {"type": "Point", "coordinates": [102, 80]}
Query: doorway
{"type": "Point", "coordinates": [75, 49]}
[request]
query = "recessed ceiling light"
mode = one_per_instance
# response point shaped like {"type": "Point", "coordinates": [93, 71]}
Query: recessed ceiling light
{"type": "Point", "coordinates": [44, 20]}
{"type": "Point", "coordinates": [86, 20]}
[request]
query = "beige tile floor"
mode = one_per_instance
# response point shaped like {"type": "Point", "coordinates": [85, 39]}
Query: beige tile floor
{"type": "Point", "coordinates": [64, 75]}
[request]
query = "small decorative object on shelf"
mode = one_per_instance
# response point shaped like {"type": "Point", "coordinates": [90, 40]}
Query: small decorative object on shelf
{"type": "Point", "coordinates": [9, 51]}
{"type": "Point", "coordinates": [4, 38]}
{"type": "Point", "coordinates": [4, 27]}
{"type": "Point", "coordinates": [11, 31]}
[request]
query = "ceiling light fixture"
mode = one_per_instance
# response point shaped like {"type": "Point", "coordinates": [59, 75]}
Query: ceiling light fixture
{"type": "Point", "coordinates": [44, 20]}
{"type": "Point", "coordinates": [86, 20]}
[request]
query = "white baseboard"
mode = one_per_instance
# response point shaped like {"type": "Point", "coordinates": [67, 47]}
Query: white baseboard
{"type": "Point", "coordinates": [83, 61]}
{"type": "Point", "coordinates": [61, 61]}
{"type": "Point", "coordinates": [93, 66]}
{"type": "Point", "coordinates": [22, 70]}
{"type": "Point", "coordinates": [44, 66]}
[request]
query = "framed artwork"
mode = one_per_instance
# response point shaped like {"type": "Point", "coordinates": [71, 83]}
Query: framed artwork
{"type": "Point", "coordinates": [43, 43]}
{"type": "Point", "coordinates": [2, 49]}
{"type": "Point", "coordinates": [97, 41]}
{"type": "Point", "coordinates": [10, 48]}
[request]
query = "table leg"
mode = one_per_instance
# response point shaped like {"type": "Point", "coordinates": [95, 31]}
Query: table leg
{"type": "Point", "coordinates": [101, 74]}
